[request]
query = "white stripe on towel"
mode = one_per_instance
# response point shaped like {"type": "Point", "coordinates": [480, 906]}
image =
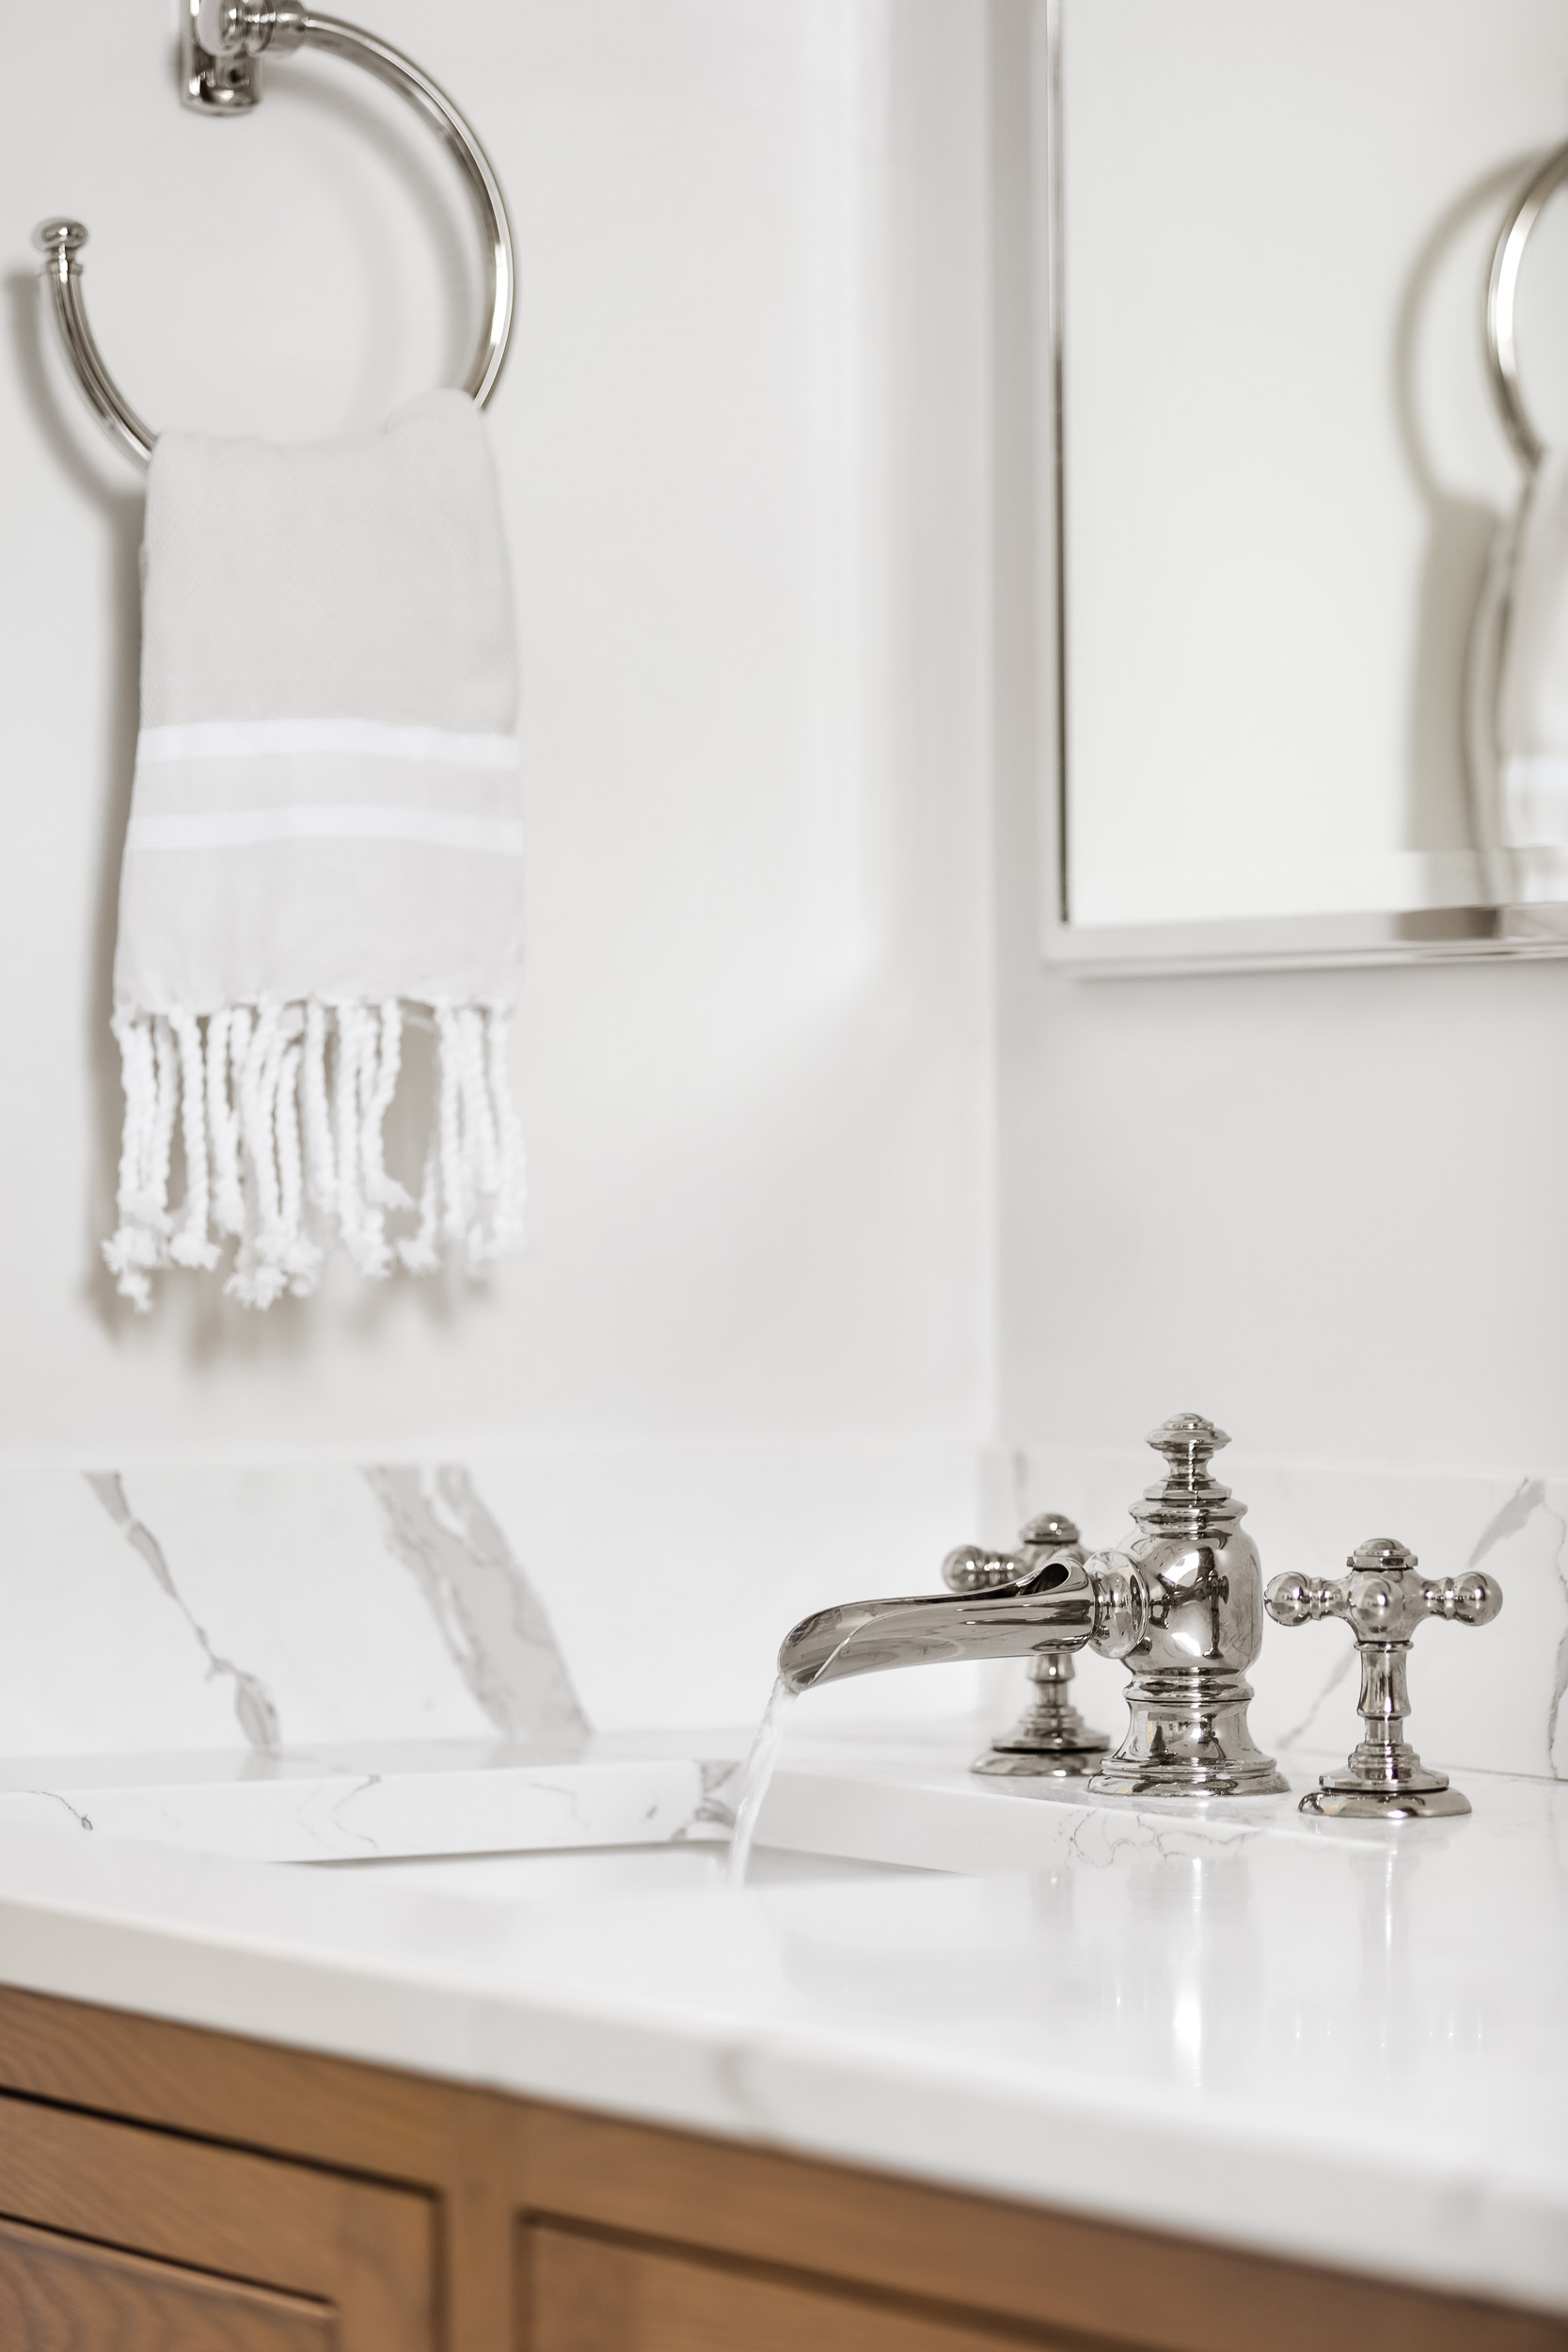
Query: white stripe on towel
{"type": "Point", "coordinates": [265, 739]}
{"type": "Point", "coordinates": [247, 828]}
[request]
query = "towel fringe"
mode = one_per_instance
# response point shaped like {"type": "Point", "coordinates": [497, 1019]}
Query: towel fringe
{"type": "Point", "coordinates": [321, 1161]}
{"type": "Point", "coordinates": [223, 1124]}
{"type": "Point", "coordinates": [282, 1111]}
{"type": "Point", "coordinates": [166, 1092]}
{"type": "Point", "coordinates": [380, 1188]}
{"type": "Point", "coordinates": [190, 1245]}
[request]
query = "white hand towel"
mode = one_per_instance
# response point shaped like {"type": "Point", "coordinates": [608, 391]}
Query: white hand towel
{"type": "Point", "coordinates": [324, 830]}
{"type": "Point", "coordinates": [1518, 701]}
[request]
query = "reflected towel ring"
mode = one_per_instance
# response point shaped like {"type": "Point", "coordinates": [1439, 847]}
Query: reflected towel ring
{"type": "Point", "coordinates": [1502, 359]}
{"type": "Point", "coordinates": [222, 43]}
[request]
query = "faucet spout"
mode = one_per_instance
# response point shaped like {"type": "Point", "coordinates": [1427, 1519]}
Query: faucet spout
{"type": "Point", "coordinates": [1057, 1607]}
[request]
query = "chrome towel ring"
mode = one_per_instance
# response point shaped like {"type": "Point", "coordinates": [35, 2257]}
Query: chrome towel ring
{"type": "Point", "coordinates": [1502, 361]}
{"type": "Point", "coordinates": [222, 43]}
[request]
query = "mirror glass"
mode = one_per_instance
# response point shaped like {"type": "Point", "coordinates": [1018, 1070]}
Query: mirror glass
{"type": "Point", "coordinates": [1283, 469]}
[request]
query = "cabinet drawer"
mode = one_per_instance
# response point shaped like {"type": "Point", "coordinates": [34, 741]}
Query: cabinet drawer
{"type": "Point", "coordinates": [340, 2264]}
{"type": "Point", "coordinates": [63, 2295]}
{"type": "Point", "coordinates": [585, 2293]}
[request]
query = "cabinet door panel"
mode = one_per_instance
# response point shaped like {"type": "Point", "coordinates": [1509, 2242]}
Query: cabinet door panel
{"type": "Point", "coordinates": [62, 2295]}
{"type": "Point", "coordinates": [365, 2249]}
{"type": "Point", "coordinates": [589, 2293]}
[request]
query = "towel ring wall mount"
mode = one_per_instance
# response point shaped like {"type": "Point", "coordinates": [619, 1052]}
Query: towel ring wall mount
{"type": "Point", "coordinates": [1502, 284]}
{"type": "Point", "coordinates": [222, 44]}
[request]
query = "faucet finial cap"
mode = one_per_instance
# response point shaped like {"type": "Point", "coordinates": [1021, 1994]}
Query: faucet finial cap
{"type": "Point", "coordinates": [1047, 1528]}
{"type": "Point", "coordinates": [1385, 1552]}
{"type": "Point", "coordinates": [1189, 1497]}
{"type": "Point", "coordinates": [1187, 1440]}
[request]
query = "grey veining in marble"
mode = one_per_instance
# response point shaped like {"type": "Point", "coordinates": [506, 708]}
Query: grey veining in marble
{"type": "Point", "coordinates": [490, 1617]}
{"type": "Point", "coordinates": [254, 1709]}
{"type": "Point", "coordinates": [719, 1789]}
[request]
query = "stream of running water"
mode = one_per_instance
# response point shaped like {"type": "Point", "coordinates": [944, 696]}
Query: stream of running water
{"type": "Point", "coordinates": [754, 1786]}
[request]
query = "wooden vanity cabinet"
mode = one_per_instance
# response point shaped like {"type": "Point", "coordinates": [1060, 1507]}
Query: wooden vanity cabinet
{"type": "Point", "coordinates": [164, 2190]}
{"type": "Point", "coordinates": [120, 2235]}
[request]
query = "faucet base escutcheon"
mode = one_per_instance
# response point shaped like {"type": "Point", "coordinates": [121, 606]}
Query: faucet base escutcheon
{"type": "Point", "coordinates": [1338, 1798]}
{"type": "Point", "coordinates": [1189, 1747]}
{"type": "Point", "coordinates": [1050, 1741]}
{"type": "Point", "coordinates": [998, 1762]}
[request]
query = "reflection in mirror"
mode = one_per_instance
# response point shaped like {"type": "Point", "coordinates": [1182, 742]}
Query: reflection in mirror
{"type": "Point", "coordinates": [1310, 662]}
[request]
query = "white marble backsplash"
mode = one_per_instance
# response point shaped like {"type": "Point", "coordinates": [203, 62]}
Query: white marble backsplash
{"type": "Point", "coordinates": [532, 1599]}
{"type": "Point", "coordinates": [275, 1611]}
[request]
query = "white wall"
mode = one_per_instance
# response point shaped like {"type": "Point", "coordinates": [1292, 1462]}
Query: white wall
{"type": "Point", "coordinates": [740, 441]}
{"type": "Point", "coordinates": [768, 409]}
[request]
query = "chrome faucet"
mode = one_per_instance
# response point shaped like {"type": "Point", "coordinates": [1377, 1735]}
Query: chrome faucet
{"type": "Point", "coordinates": [1180, 1602]}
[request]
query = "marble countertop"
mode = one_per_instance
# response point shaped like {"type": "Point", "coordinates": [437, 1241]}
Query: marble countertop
{"type": "Point", "coordinates": [1344, 2044]}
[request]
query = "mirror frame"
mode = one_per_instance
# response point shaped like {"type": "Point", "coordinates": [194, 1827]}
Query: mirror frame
{"type": "Point", "coordinates": [1239, 944]}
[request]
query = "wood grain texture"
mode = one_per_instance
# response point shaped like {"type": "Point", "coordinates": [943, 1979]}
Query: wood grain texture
{"type": "Point", "coordinates": [61, 2294]}
{"type": "Point", "coordinates": [1012, 2262]}
{"type": "Point", "coordinates": [368, 2251]}
{"type": "Point", "coordinates": [585, 2293]}
{"type": "Point", "coordinates": [487, 2159]}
